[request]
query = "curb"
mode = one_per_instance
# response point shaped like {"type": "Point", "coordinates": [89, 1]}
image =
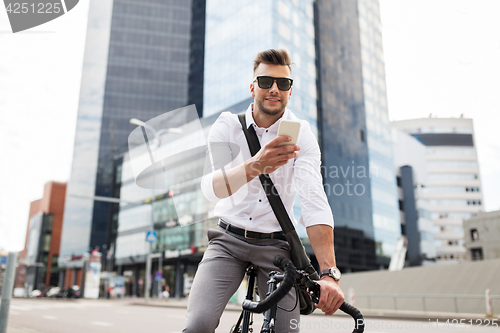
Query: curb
{"type": "Point", "coordinates": [367, 313]}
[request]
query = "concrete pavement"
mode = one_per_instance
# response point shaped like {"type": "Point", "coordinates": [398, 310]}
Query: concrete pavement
{"type": "Point", "coordinates": [18, 329]}
{"type": "Point", "coordinates": [233, 308]}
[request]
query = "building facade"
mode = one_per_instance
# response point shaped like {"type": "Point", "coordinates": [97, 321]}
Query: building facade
{"type": "Point", "coordinates": [415, 216]}
{"type": "Point", "coordinates": [482, 236]}
{"type": "Point", "coordinates": [39, 266]}
{"type": "Point", "coordinates": [142, 58]}
{"type": "Point", "coordinates": [246, 28]}
{"type": "Point", "coordinates": [342, 123]}
{"type": "Point", "coordinates": [453, 188]}
{"type": "Point", "coordinates": [382, 177]}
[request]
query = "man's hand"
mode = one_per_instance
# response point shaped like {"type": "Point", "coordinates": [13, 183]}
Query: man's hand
{"type": "Point", "coordinates": [331, 297]}
{"type": "Point", "coordinates": [270, 157]}
{"type": "Point", "coordinates": [267, 160]}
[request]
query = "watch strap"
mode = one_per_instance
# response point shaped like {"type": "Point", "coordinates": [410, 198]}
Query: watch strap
{"type": "Point", "coordinates": [328, 272]}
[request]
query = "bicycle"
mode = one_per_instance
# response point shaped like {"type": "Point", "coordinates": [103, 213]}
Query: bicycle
{"type": "Point", "coordinates": [279, 285]}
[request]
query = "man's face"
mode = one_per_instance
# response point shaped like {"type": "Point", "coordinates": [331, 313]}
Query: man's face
{"type": "Point", "coordinates": [271, 101]}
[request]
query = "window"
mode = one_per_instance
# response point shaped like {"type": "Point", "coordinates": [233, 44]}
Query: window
{"type": "Point", "coordinates": [476, 254]}
{"type": "Point", "coordinates": [284, 30]}
{"type": "Point", "coordinates": [46, 243]}
{"type": "Point", "coordinates": [118, 176]}
{"type": "Point", "coordinates": [452, 176]}
{"type": "Point", "coordinates": [452, 164]}
{"type": "Point", "coordinates": [474, 235]}
{"type": "Point", "coordinates": [450, 151]}
{"type": "Point", "coordinates": [48, 222]}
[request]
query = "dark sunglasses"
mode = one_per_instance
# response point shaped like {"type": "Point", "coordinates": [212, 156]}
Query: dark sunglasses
{"type": "Point", "coordinates": [266, 82]}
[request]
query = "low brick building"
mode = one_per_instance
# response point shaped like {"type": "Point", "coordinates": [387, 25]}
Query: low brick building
{"type": "Point", "coordinates": [40, 256]}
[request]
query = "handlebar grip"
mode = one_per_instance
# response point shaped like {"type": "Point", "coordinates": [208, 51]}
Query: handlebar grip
{"type": "Point", "coordinates": [290, 274]}
{"type": "Point", "coordinates": [359, 322]}
{"type": "Point", "coordinates": [281, 262]}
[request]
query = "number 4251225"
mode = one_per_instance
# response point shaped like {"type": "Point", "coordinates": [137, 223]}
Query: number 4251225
{"type": "Point", "coordinates": [39, 8]}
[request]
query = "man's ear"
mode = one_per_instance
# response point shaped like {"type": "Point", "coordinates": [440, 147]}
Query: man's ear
{"type": "Point", "coordinates": [252, 91]}
{"type": "Point", "coordinates": [290, 93]}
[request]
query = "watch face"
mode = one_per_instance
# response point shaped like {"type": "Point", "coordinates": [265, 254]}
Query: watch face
{"type": "Point", "coordinates": [335, 273]}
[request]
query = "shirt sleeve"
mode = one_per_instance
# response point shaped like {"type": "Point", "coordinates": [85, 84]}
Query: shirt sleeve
{"type": "Point", "coordinates": [219, 155]}
{"type": "Point", "coordinates": [309, 183]}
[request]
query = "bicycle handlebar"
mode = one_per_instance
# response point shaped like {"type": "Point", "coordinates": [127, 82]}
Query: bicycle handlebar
{"type": "Point", "coordinates": [290, 275]}
{"type": "Point", "coordinates": [359, 321]}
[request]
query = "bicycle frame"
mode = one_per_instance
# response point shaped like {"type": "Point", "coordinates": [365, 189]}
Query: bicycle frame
{"type": "Point", "coordinates": [245, 315]}
{"type": "Point", "coordinates": [245, 319]}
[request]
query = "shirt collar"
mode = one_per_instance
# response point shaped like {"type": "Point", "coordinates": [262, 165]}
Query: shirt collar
{"type": "Point", "coordinates": [249, 117]}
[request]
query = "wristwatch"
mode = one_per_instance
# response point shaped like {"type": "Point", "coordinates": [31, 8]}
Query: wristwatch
{"type": "Point", "coordinates": [333, 272]}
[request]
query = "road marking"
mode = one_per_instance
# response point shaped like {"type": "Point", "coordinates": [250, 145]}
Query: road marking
{"type": "Point", "coordinates": [49, 317]}
{"type": "Point", "coordinates": [101, 323]}
{"type": "Point", "coordinates": [176, 316]}
{"type": "Point", "coordinates": [17, 307]}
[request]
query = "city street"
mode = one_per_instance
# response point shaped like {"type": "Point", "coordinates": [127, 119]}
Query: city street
{"type": "Point", "coordinates": [79, 316]}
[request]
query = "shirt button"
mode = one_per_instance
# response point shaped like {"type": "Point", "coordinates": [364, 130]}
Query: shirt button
{"type": "Point", "coordinates": [267, 131]}
{"type": "Point", "coordinates": [250, 218]}
{"type": "Point", "coordinates": [260, 200]}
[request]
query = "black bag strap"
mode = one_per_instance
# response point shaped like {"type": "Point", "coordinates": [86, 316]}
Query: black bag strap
{"type": "Point", "coordinates": [271, 192]}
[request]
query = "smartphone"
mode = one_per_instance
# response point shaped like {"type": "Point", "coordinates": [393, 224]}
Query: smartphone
{"type": "Point", "coordinates": [290, 128]}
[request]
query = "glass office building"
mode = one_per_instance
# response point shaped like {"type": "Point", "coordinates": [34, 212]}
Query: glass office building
{"type": "Point", "coordinates": [342, 124]}
{"type": "Point", "coordinates": [237, 30]}
{"type": "Point", "coordinates": [142, 58]}
{"type": "Point", "coordinates": [386, 219]}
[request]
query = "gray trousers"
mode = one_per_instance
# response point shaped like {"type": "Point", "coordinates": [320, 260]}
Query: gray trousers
{"type": "Point", "coordinates": [220, 273]}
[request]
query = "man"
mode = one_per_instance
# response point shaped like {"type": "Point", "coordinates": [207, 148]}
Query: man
{"type": "Point", "coordinates": [242, 205]}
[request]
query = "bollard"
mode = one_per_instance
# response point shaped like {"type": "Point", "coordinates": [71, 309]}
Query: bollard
{"type": "Point", "coordinates": [489, 310]}
{"type": "Point", "coordinates": [8, 286]}
{"type": "Point", "coordinates": [352, 300]}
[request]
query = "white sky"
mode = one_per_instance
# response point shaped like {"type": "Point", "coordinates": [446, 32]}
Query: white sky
{"type": "Point", "coordinates": [442, 57]}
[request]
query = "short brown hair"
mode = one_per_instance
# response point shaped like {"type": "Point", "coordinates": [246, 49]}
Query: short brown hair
{"type": "Point", "coordinates": [272, 57]}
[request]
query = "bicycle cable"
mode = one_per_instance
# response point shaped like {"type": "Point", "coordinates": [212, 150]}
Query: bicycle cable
{"type": "Point", "coordinates": [296, 302]}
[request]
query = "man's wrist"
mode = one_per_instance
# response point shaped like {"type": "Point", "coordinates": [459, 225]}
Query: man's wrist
{"type": "Point", "coordinates": [250, 169]}
{"type": "Point", "coordinates": [330, 279]}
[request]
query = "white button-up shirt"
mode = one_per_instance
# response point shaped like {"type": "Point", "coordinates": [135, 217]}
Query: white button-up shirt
{"type": "Point", "coordinates": [249, 208]}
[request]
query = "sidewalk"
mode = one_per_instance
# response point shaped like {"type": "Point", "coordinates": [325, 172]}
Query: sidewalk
{"type": "Point", "coordinates": [18, 329]}
{"type": "Point", "coordinates": [367, 313]}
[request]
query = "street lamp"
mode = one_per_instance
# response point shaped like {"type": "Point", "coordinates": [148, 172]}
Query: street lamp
{"type": "Point", "coordinates": [157, 136]}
